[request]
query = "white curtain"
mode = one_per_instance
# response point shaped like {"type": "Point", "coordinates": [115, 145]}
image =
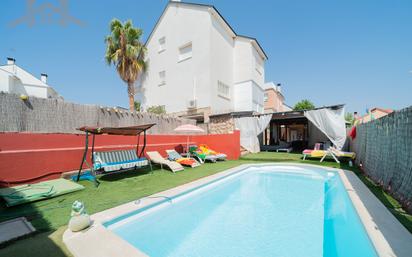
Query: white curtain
{"type": "Point", "coordinates": [331, 123]}
{"type": "Point", "coordinates": [250, 128]}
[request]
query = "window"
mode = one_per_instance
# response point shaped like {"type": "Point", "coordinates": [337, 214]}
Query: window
{"type": "Point", "coordinates": [162, 44]}
{"type": "Point", "coordinates": [265, 97]}
{"type": "Point", "coordinates": [223, 90]}
{"type": "Point", "coordinates": [259, 65]}
{"type": "Point", "coordinates": [162, 78]}
{"type": "Point", "coordinates": [185, 52]}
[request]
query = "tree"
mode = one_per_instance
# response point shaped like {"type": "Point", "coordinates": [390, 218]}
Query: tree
{"type": "Point", "coordinates": [125, 51]}
{"type": "Point", "coordinates": [304, 105]}
{"type": "Point", "coordinates": [349, 118]}
{"type": "Point", "coordinates": [157, 109]}
{"type": "Point", "coordinates": [137, 106]}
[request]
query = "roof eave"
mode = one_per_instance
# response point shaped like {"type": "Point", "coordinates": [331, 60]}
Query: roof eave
{"type": "Point", "coordinates": [220, 16]}
{"type": "Point", "coordinates": [257, 45]}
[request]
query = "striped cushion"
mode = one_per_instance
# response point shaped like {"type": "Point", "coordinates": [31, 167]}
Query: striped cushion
{"type": "Point", "coordinates": [116, 160]}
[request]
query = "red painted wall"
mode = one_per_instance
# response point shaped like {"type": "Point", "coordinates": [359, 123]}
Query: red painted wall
{"type": "Point", "coordinates": [28, 157]}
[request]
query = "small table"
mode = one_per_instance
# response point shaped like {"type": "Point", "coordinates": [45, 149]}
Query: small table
{"type": "Point", "coordinates": [287, 150]}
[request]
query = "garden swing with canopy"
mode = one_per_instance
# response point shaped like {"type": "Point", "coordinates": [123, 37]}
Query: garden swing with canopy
{"type": "Point", "coordinates": [104, 162]}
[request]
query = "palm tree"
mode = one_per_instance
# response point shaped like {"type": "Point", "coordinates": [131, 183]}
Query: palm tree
{"type": "Point", "coordinates": [125, 51]}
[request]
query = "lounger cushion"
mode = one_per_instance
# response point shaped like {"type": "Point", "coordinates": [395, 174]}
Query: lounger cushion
{"type": "Point", "coordinates": [315, 153]}
{"type": "Point", "coordinates": [221, 156]}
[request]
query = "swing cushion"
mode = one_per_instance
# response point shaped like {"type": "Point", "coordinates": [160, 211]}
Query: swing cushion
{"type": "Point", "coordinates": [116, 160]}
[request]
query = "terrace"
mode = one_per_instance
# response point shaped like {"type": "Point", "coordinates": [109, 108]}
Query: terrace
{"type": "Point", "coordinates": [50, 217]}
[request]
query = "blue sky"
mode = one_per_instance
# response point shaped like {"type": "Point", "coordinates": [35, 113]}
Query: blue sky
{"type": "Point", "coordinates": [348, 51]}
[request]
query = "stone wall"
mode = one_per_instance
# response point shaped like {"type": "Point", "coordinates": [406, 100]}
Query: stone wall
{"type": "Point", "coordinates": [221, 124]}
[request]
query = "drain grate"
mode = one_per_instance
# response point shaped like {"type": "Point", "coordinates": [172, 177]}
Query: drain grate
{"type": "Point", "coordinates": [15, 228]}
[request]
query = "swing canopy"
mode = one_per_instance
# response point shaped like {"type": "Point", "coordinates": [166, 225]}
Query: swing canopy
{"type": "Point", "coordinates": [126, 131]}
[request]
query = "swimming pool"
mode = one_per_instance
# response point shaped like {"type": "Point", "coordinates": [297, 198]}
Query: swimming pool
{"type": "Point", "coordinates": [258, 211]}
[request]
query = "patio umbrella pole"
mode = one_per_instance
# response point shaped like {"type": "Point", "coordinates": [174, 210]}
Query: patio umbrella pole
{"type": "Point", "coordinates": [187, 147]}
{"type": "Point", "coordinates": [188, 128]}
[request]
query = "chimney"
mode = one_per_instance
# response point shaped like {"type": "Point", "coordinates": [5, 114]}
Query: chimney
{"type": "Point", "coordinates": [43, 78]}
{"type": "Point", "coordinates": [11, 61]}
{"type": "Point", "coordinates": [278, 87]}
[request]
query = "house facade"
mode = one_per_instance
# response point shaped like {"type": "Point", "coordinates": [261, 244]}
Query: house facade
{"type": "Point", "coordinates": [273, 98]}
{"type": "Point", "coordinates": [16, 80]}
{"type": "Point", "coordinates": [374, 113]}
{"type": "Point", "coordinates": [199, 66]}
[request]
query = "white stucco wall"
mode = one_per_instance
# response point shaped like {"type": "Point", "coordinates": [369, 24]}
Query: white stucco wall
{"type": "Point", "coordinates": [217, 55]}
{"type": "Point", "coordinates": [179, 25]}
{"type": "Point", "coordinates": [243, 62]}
{"type": "Point", "coordinates": [222, 55]}
{"type": "Point", "coordinates": [243, 95]}
{"type": "Point", "coordinates": [4, 81]}
{"type": "Point", "coordinates": [249, 97]}
{"type": "Point", "coordinates": [249, 83]}
{"type": "Point", "coordinates": [258, 75]}
{"type": "Point", "coordinates": [257, 98]}
{"type": "Point", "coordinates": [15, 80]}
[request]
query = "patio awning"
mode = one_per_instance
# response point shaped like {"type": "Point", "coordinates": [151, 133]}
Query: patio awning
{"type": "Point", "coordinates": [126, 131]}
{"type": "Point", "coordinates": [250, 128]}
{"type": "Point", "coordinates": [331, 121]}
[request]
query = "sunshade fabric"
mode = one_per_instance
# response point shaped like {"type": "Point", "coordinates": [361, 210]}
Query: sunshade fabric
{"type": "Point", "coordinates": [250, 128]}
{"type": "Point", "coordinates": [127, 131]}
{"type": "Point", "coordinates": [331, 122]}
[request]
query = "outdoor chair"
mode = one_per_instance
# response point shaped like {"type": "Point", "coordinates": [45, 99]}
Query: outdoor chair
{"type": "Point", "coordinates": [156, 158]}
{"type": "Point", "coordinates": [175, 156]}
{"type": "Point", "coordinates": [206, 150]}
{"type": "Point", "coordinates": [338, 154]}
{"type": "Point", "coordinates": [202, 157]}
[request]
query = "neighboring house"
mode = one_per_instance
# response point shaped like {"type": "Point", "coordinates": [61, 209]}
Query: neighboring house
{"type": "Point", "coordinates": [199, 66]}
{"type": "Point", "coordinates": [273, 98]}
{"type": "Point", "coordinates": [15, 80]}
{"type": "Point", "coordinates": [375, 113]}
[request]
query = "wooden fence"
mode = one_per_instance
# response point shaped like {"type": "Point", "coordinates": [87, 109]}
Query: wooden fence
{"type": "Point", "coordinates": [57, 116]}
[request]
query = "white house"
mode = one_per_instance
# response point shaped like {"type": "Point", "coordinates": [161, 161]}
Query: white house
{"type": "Point", "coordinates": [198, 65]}
{"type": "Point", "coordinates": [15, 80]}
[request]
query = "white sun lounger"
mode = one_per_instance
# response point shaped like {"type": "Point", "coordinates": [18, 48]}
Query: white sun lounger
{"type": "Point", "coordinates": [156, 158]}
{"type": "Point", "coordinates": [175, 156]}
{"type": "Point", "coordinates": [336, 154]}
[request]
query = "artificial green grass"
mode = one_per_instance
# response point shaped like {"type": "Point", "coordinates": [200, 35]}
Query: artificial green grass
{"type": "Point", "coordinates": [115, 189]}
{"type": "Point", "coordinates": [50, 215]}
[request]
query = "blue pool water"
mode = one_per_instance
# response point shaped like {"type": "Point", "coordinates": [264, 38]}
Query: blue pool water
{"type": "Point", "coordinates": [262, 211]}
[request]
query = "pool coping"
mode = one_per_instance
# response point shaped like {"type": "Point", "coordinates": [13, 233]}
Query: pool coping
{"type": "Point", "coordinates": [389, 237]}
